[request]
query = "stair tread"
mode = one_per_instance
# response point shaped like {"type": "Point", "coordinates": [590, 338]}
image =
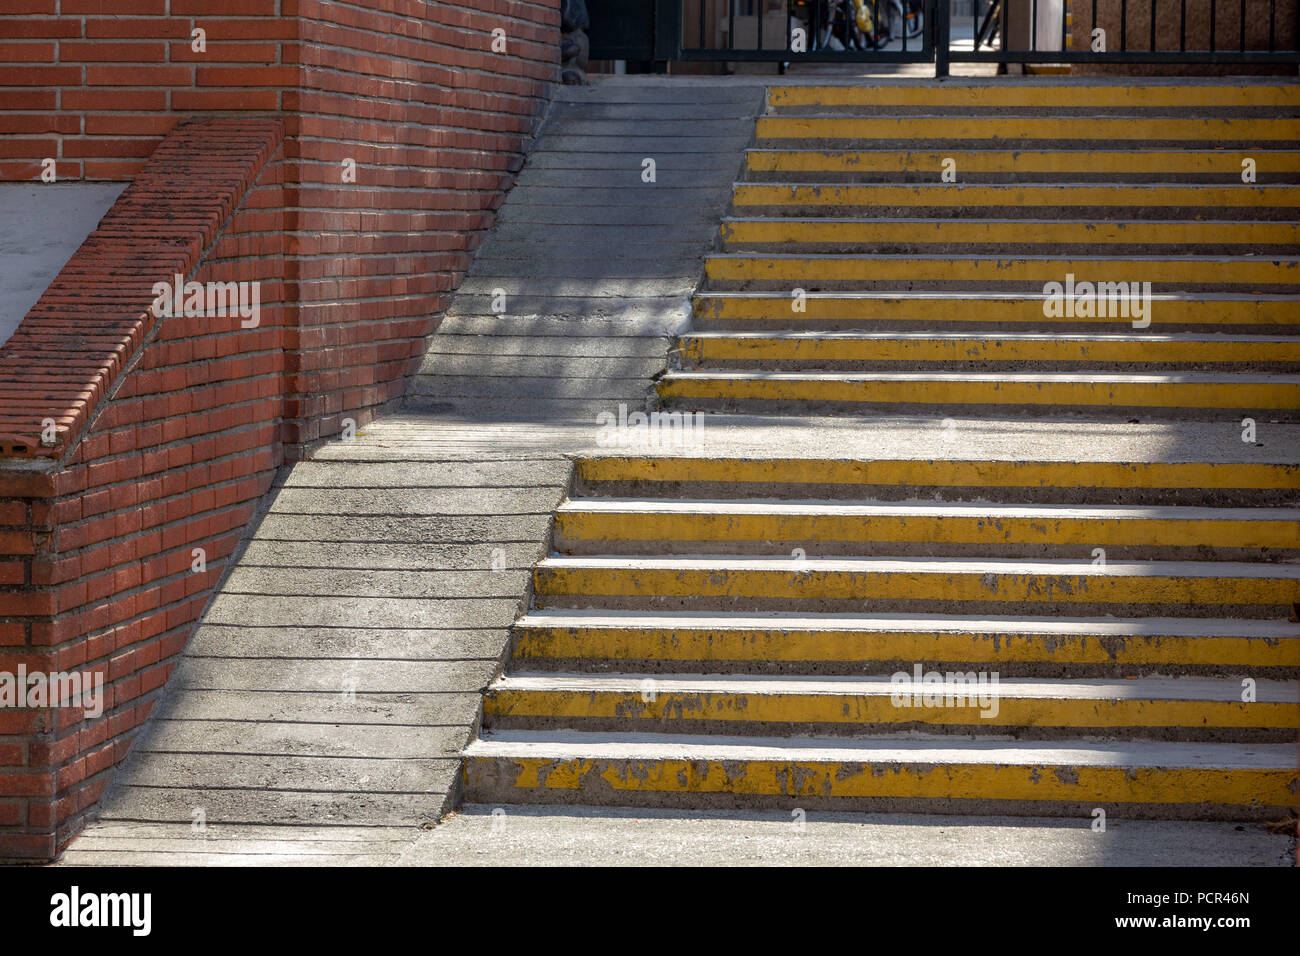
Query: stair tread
{"type": "Point", "coordinates": [904, 336]}
{"type": "Point", "coordinates": [567, 744]}
{"type": "Point", "coordinates": [1005, 187]}
{"type": "Point", "coordinates": [1098, 378]}
{"type": "Point", "coordinates": [965, 295]}
{"type": "Point", "coordinates": [926, 623]}
{"type": "Point", "coordinates": [986, 221]}
{"type": "Point", "coordinates": [769, 255]}
{"type": "Point", "coordinates": [1227, 690]}
{"type": "Point", "coordinates": [840, 508]}
{"type": "Point", "coordinates": [995, 566]}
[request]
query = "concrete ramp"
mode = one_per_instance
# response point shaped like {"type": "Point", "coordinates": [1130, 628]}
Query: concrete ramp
{"type": "Point", "coordinates": [320, 710]}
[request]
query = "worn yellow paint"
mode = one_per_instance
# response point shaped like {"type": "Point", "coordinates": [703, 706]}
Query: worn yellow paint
{"type": "Point", "coordinates": [1010, 231]}
{"type": "Point", "coordinates": [943, 473]}
{"type": "Point", "coordinates": [800, 778]}
{"type": "Point", "coordinates": [1011, 195]}
{"type": "Point", "coordinates": [605, 525]}
{"type": "Point", "coordinates": [832, 268]}
{"type": "Point", "coordinates": [924, 309]}
{"type": "Point", "coordinates": [1087, 584]}
{"type": "Point", "coordinates": [793, 644]}
{"type": "Point", "coordinates": [1040, 96]}
{"type": "Point", "coordinates": [1158, 161]}
{"type": "Point", "coordinates": [862, 268]}
{"type": "Point", "coordinates": [986, 348]}
{"type": "Point", "coordinates": [1104, 129]}
{"type": "Point", "coordinates": [794, 708]}
{"type": "Point", "coordinates": [971, 391]}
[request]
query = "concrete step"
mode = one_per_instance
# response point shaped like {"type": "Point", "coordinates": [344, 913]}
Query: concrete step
{"type": "Point", "coordinates": [1012, 236]}
{"type": "Point", "coordinates": [1223, 484]}
{"type": "Point", "coordinates": [1113, 284]}
{"type": "Point", "coordinates": [1017, 200]}
{"type": "Point", "coordinates": [1015, 130]}
{"type": "Point", "coordinates": [864, 351]}
{"type": "Point", "coordinates": [963, 96]}
{"type": "Point", "coordinates": [920, 585]}
{"type": "Point", "coordinates": [784, 643]}
{"type": "Point", "coordinates": [937, 775]}
{"type": "Point", "coordinates": [1002, 165]}
{"type": "Point", "coordinates": [658, 526]}
{"type": "Point", "coordinates": [919, 699]}
{"type": "Point", "coordinates": [1194, 395]}
{"type": "Point", "coordinates": [937, 310]}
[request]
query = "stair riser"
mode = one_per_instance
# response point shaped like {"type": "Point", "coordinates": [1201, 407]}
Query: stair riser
{"type": "Point", "coordinates": [1157, 363]}
{"type": "Point", "coordinates": [858, 715]}
{"type": "Point", "coordinates": [930, 172]}
{"type": "Point", "coordinates": [1030, 237]}
{"type": "Point", "coordinates": [819, 274]}
{"type": "Point", "coordinates": [883, 313]}
{"type": "Point", "coordinates": [829, 132]}
{"type": "Point", "coordinates": [776, 653]}
{"type": "Point", "coordinates": [1189, 403]}
{"type": "Point", "coordinates": [1220, 485]}
{"type": "Point", "coordinates": [1177, 99]}
{"type": "Point", "coordinates": [992, 165]}
{"type": "Point", "coordinates": [832, 204]}
{"type": "Point", "coordinates": [984, 354]}
{"type": "Point", "coordinates": [1058, 791]}
{"type": "Point", "coordinates": [1047, 535]}
{"type": "Point", "coordinates": [816, 591]}
{"type": "Point", "coordinates": [1029, 244]}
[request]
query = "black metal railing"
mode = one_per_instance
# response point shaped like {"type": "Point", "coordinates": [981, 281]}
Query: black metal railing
{"type": "Point", "coordinates": [997, 31]}
{"type": "Point", "coordinates": [805, 30]}
{"type": "Point", "coordinates": [1130, 31]}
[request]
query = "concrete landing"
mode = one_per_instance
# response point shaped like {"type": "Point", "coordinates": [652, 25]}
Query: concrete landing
{"type": "Point", "coordinates": [481, 835]}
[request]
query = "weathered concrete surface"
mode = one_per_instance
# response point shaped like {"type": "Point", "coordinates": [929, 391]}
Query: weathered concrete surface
{"type": "Point", "coordinates": [320, 710]}
{"type": "Point", "coordinates": [337, 673]}
{"type": "Point", "coordinates": [589, 836]}
{"type": "Point", "coordinates": [480, 835]}
{"type": "Point", "coordinates": [568, 308]}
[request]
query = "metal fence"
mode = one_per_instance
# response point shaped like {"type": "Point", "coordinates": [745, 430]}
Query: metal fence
{"type": "Point", "coordinates": [996, 31]}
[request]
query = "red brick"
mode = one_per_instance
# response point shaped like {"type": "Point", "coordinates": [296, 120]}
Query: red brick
{"type": "Point", "coordinates": [112, 51]}
{"type": "Point", "coordinates": [148, 75]}
{"type": "Point", "coordinates": [116, 8]}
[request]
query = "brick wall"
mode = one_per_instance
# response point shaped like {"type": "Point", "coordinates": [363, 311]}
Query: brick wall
{"type": "Point", "coordinates": [413, 93]}
{"type": "Point", "coordinates": [166, 437]}
{"type": "Point", "coordinates": [168, 431]}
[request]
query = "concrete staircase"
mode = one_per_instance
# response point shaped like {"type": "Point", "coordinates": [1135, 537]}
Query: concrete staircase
{"type": "Point", "coordinates": [851, 277]}
{"type": "Point", "coordinates": [758, 633]}
{"type": "Point", "coordinates": [965, 634]}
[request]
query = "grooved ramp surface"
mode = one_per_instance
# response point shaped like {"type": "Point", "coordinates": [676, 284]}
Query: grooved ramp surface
{"type": "Point", "coordinates": [320, 710]}
{"type": "Point", "coordinates": [568, 307]}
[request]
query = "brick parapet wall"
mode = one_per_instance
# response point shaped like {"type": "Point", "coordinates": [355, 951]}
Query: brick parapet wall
{"type": "Point", "coordinates": [174, 441]}
{"type": "Point", "coordinates": [170, 430]}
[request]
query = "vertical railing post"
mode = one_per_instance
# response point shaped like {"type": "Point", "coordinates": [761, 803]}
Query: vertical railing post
{"type": "Point", "coordinates": [668, 30]}
{"type": "Point", "coordinates": [939, 17]}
